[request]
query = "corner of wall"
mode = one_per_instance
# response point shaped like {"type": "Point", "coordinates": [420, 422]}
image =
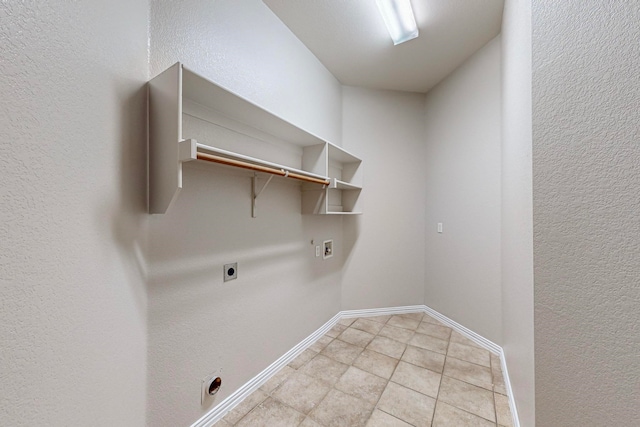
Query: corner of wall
{"type": "Point", "coordinates": [517, 217]}
{"type": "Point", "coordinates": [463, 168]}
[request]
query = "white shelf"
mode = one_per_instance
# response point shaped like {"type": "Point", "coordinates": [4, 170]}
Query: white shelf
{"type": "Point", "coordinates": [342, 185]}
{"type": "Point", "coordinates": [327, 170]}
{"type": "Point", "coordinates": [342, 196]}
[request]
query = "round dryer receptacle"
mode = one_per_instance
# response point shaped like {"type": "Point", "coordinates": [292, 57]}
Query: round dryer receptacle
{"type": "Point", "coordinates": [214, 386]}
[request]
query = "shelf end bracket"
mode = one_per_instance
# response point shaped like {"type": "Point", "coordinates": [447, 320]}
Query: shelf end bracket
{"type": "Point", "coordinates": [255, 193]}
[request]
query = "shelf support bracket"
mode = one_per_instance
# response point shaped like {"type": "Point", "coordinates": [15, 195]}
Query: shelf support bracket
{"type": "Point", "coordinates": [255, 192]}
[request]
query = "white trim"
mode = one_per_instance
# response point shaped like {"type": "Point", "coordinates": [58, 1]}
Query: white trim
{"type": "Point", "coordinates": [370, 312]}
{"type": "Point", "coordinates": [220, 410]}
{"type": "Point", "coordinates": [487, 344]}
{"type": "Point", "coordinates": [507, 384]}
{"type": "Point", "coordinates": [478, 339]}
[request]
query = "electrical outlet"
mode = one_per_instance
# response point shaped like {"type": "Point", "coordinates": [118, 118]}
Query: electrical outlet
{"type": "Point", "coordinates": [439, 227]}
{"type": "Point", "coordinates": [210, 386]}
{"type": "Point", "coordinates": [318, 250]}
{"type": "Point", "coordinates": [230, 271]}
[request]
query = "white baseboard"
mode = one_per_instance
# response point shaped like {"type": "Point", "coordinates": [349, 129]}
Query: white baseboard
{"type": "Point", "coordinates": [507, 384]}
{"type": "Point", "coordinates": [369, 312]}
{"type": "Point", "coordinates": [478, 339]}
{"type": "Point", "coordinates": [487, 344]}
{"type": "Point", "coordinates": [220, 410]}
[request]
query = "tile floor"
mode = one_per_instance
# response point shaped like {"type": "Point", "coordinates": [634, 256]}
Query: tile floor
{"type": "Point", "coordinates": [397, 371]}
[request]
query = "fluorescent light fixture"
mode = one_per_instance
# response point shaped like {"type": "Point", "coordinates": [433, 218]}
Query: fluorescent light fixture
{"type": "Point", "coordinates": [398, 16]}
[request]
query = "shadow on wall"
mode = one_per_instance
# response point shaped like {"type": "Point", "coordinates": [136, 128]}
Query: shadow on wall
{"type": "Point", "coordinates": [351, 232]}
{"type": "Point", "coordinates": [210, 225]}
{"type": "Point", "coordinates": [128, 214]}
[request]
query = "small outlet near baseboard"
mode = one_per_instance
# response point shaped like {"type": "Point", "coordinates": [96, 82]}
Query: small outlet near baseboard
{"type": "Point", "coordinates": [211, 384]}
{"type": "Point", "coordinates": [230, 271]}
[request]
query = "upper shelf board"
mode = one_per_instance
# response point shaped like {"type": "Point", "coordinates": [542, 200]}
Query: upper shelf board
{"type": "Point", "coordinates": [341, 185]}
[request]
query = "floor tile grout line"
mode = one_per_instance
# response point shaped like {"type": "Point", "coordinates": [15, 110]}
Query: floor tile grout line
{"type": "Point", "coordinates": [495, 406]}
{"type": "Point", "coordinates": [387, 380]}
{"type": "Point", "coordinates": [387, 385]}
{"type": "Point", "coordinates": [289, 406]}
{"type": "Point", "coordinates": [391, 415]}
{"type": "Point", "coordinates": [251, 410]}
{"type": "Point", "coordinates": [448, 376]}
{"type": "Point", "coordinates": [470, 413]}
{"type": "Point", "coordinates": [440, 385]}
{"type": "Point", "coordinates": [461, 409]}
{"type": "Point", "coordinates": [399, 359]}
{"type": "Point", "coordinates": [394, 371]}
{"type": "Point", "coordinates": [476, 364]}
{"type": "Point", "coordinates": [333, 387]}
{"type": "Point", "coordinates": [468, 383]}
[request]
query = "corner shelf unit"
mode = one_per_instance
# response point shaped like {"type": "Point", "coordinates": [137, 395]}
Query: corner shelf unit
{"type": "Point", "coordinates": [331, 177]}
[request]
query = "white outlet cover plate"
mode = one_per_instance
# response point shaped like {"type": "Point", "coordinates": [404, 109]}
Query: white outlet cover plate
{"type": "Point", "coordinates": [328, 249]}
{"type": "Point", "coordinates": [204, 390]}
{"type": "Point", "coordinates": [227, 269]}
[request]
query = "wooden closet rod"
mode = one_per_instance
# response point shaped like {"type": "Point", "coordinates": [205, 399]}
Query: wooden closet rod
{"type": "Point", "coordinates": [259, 168]}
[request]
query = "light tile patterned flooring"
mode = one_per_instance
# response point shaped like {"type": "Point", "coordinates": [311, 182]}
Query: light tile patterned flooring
{"type": "Point", "coordinates": [397, 371]}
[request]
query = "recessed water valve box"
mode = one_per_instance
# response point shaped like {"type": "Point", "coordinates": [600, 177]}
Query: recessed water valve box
{"type": "Point", "coordinates": [230, 271]}
{"type": "Point", "coordinates": [328, 249]}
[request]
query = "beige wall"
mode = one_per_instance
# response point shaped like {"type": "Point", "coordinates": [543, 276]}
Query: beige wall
{"type": "Point", "coordinates": [74, 229]}
{"type": "Point", "coordinates": [462, 165]}
{"type": "Point", "coordinates": [197, 323]}
{"type": "Point", "coordinates": [383, 248]}
{"type": "Point", "coordinates": [586, 181]}
{"type": "Point", "coordinates": [243, 46]}
{"type": "Point", "coordinates": [517, 217]}
{"type": "Point", "coordinates": [72, 164]}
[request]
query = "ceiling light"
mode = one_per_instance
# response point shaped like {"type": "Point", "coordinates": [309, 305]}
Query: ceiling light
{"type": "Point", "coordinates": [398, 16]}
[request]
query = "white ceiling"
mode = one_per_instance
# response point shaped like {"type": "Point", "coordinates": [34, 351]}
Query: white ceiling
{"type": "Point", "coordinates": [349, 37]}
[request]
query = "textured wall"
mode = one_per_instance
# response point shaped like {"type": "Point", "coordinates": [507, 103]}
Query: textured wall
{"type": "Point", "coordinates": [243, 46]}
{"type": "Point", "coordinates": [384, 253]}
{"type": "Point", "coordinates": [462, 164]}
{"type": "Point", "coordinates": [283, 292]}
{"type": "Point", "coordinates": [72, 150]}
{"type": "Point", "coordinates": [586, 181]}
{"type": "Point", "coordinates": [517, 216]}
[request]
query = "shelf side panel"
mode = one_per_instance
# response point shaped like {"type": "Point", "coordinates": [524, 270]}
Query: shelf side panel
{"type": "Point", "coordinates": [352, 173]}
{"type": "Point", "coordinates": [314, 159]}
{"type": "Point", "coordinates": [351, 201]}
{"type": "Point", "coordinates": [165, 133]}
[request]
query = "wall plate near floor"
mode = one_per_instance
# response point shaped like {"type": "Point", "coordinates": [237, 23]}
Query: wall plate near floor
{"type": "Point", "coordinates": [211, 384]}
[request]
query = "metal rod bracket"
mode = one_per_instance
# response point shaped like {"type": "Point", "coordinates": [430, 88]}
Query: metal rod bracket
{"type": "Point", "coordinates": [255, 193]}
